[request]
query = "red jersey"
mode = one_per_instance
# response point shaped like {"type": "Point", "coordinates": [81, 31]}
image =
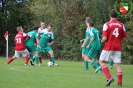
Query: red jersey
{"type": "Point", "coordinates": [19, 41]}
{"type": "Point", "coordinates": [115, 32]}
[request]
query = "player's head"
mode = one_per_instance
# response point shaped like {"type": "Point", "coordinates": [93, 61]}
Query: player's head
{"type": "Point", "coordinates": [91, 24]}
{"type": "Point", "coordinates": [19, 29]}
{"type": "Point", "coordinates": [42, 23]}
{"type": "Point", "coordinates": [113, 14]}
{"type": "Point", "coordinates": [35, 28]}
{"type": "Point", "coordinates": [49, 27]}
{"type": "Point", "coordinates": [87, 19]}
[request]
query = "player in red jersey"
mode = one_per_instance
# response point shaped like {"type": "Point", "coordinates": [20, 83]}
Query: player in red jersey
{"type": "Point", "coordinates": [20, 46]}
{"type": "Point", "coordinates": [113, 33]}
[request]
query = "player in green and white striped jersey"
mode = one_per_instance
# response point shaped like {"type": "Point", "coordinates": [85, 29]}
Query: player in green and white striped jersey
{"type": "Point", "coordinates": [84, 50]}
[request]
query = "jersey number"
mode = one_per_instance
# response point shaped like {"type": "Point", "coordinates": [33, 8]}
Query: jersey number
{"type": "Point", "coordinates": [116, 32]}
{"type": "Point", "coordinates": [18, 40]}
{"type": "Point", "coordinates": [98, 36]}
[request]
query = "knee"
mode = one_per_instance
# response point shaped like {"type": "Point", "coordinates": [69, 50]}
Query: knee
{"type": "Point", "coordinates": [83, 56]}
{"type": "Point", "coordinates": [118, 67]}
{"type": "Point", "coordinates": [101, 62]}
{"type": "Point", "coordinates": [51, 53]}
{"type": "Point", "coordinates": [36, 54]}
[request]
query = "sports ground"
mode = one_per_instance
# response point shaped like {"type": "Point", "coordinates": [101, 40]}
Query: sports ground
{"type": "Point", "coordinates": [66, 75]}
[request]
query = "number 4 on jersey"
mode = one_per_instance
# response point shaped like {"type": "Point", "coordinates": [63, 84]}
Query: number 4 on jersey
{"type": "Point", "coordinates": [116, 32]}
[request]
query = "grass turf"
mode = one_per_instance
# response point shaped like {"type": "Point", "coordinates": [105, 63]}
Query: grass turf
{"type": "Point", "coordinates": [66, 75]}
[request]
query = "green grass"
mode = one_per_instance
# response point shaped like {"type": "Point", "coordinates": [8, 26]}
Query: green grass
{"type": "Point", "coordinates": [67, 75]}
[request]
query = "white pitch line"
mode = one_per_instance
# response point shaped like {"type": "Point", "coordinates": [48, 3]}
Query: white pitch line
{"type": "Point", "coordinates": [13, 68]}
{"type": "Point", "coordinates": [76, 75]}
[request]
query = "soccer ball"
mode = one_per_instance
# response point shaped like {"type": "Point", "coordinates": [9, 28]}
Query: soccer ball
{"type": "Point", "coordinates": [49, 64]}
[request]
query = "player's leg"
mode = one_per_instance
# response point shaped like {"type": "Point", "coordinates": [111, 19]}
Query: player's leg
{"type": "Point", "coordinates": [27, 58]}
{"type": "Point", "coordinates": [40, 58]}
{"type": "Point", "coordinates": [40, 51]}
{"type": "Point", "coordinates": [93, 54]}
{"type": "Point", "coordinates": [36, 58]}
{"type": "Point", "coordinates": [92, 63]}
{"type": "Point", "coordinates": [17, 54]}
{"type": "Point", "coordinates": [34, 50]}
{"type": "Point", "coordinates": [111, 62]}
{"type": "Point", "coordinates": [98, 64]}
{"type": "Point", "coordinates": [10, 60]}
{"type": "Point", "coordinates": [50, 51]}
{"type": "Point", "coordinates": [31, 59]}
{"type": "Point", "coordinates": [83, 56]}
{"type": "Point", "coordinates": [49, 57]}
{"type": "Point", "coordinates": [119, 74]}
{"type": "Point", "coordinates": [117, 61]}
{"type": "Point", "coordinates": [104, 57]}
{"type": "Point", "coordinates": [52, 56]}
{"type": "Point", "coordinates": [25, 53]}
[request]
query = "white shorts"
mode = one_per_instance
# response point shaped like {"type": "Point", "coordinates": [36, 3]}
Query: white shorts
{"type": "Point", "coordinates": [116, 56]}
{"type": "Point", "coordinates": [23, 53]}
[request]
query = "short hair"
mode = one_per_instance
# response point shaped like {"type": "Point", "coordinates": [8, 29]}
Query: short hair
{"type": "Point", "coordinates": [91, 24]}
{"type": "Point", "coordinates": [18, 28]}
{"type": "Point", "coordinates": [42, 22]}
{"type": "Point", "coordinates": [50, 25]}
{"type": "Point", "coordinates": [88, 19]}
{"type": "Point", "coordinates": [35, 28]}
{"type": "Point", "coordinates": [113, 14]}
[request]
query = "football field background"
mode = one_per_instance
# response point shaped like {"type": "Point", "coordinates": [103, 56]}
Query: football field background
{"type": "Point", "coordinates": [66, 75]}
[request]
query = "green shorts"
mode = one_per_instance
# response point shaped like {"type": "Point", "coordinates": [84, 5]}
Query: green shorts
{"type": "Point", "coordinates": [93, 53]}
{"type": "Point", "coordinates": [85, 50]}
{"type": "Point", "coordinates": [31, 49]}
{"type": "Point", "coordinates": [46, 49]}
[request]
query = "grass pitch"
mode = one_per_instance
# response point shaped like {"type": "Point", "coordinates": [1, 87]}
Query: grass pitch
{"type": "Point", "coordinates": [66, 75]}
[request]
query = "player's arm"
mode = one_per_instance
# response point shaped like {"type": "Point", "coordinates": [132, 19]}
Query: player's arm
{"type": "Point", "coordinates": [86, 39]}
{"type": "Point", "coordinates": [51, 43]}
{"type": "Point", "coordinates": [124, 35]}
{"type": "Point", "coordinates": [90, 43]}
{"type": "Point", "coordinates": [38, 43]}
{"type": "Point", "coordinates": [81, 40]}
{"type": "Point", "coordinates": [100, 36]}
{"type": "Point", "coordinates": [26, 36]}
{"type": "Point", "coordinates": [104, 33]}
{"type": "Point", "coordinates": [38, 40]}
{"type": "Point", "coordinates": [51, 40]}
{"type": "Point", "coordinates": [103, 39]}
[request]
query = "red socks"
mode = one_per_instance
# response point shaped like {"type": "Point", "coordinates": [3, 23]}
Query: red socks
{"type": "Point", "coordinates": [40, 59]}
{"type": "Point", "coordinates": [49, 57]}
{"type": "Point", "coordinates": [27, 58]}
{"type": "Point", "coordinates": [10, 60]}
{"type": "Point", "coordinates": [106, 72]}
{"type": "Point", "coordinates": [119, 76]}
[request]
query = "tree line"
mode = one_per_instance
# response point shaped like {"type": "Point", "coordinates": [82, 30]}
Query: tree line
{"type": "Point", "coordinates": [68, 18]}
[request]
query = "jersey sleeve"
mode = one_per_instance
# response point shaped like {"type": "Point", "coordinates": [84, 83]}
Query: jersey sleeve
{"type": "Point", "coordinates": [39, 30]}
{"type": "Point", "coordinates": [124, 32]}
{"type": "Point", "coordinates": [92, 34]}
{"type": "Point", "coordinates": [88, 34]}
{"type": "Point", "coordinates": [52, 36]}
{"type": "Point", "coordinates": [36, 36]}
{"type": "Point", "coordinates": [100, 36]}
{"type": "Point", "coordinates": [105, 28]}
{"type": "Point", "coordinates": [88, 29]}
{"type": "Point", "coordinates": [25, 35]}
